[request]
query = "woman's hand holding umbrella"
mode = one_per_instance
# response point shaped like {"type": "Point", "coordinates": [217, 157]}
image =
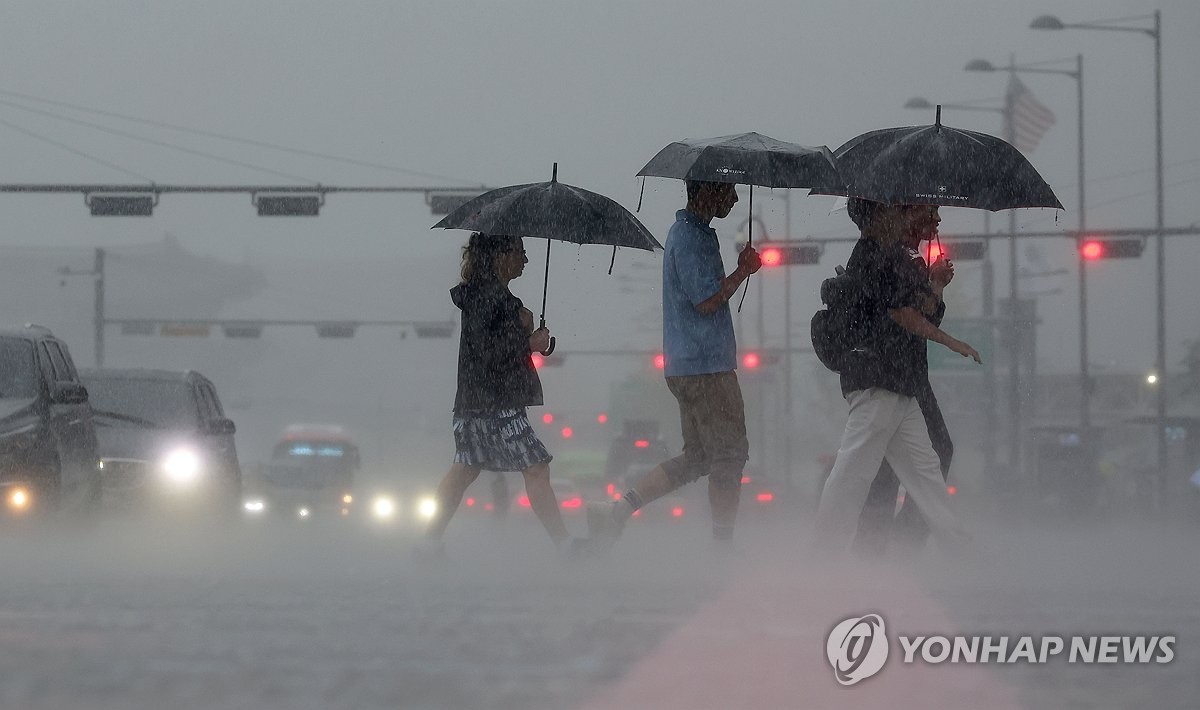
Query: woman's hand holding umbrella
{"type": "Point", "coordinates": [539, 341]}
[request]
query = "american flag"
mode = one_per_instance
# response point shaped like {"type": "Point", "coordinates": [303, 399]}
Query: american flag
{"type": "Point", "coordinates": [1030, 119]}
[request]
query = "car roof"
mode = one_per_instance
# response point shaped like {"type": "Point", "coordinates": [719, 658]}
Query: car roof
{"type": "Point", "coordinates": [30, 331]}
{"type": "Point", "coordinates": [317, 432]}
{"type": "Point", "coordinates": [109, 373]}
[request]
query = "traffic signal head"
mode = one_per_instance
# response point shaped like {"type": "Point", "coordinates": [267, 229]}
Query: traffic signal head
{"type": "Point", "coordinates": [788, 253]}
{"type": "Point", "coordinates": [955, 251]}
{"type": "Point", "coordinates": [1096, 249]}
{"type": "Point", "coordinates": [755, 359]}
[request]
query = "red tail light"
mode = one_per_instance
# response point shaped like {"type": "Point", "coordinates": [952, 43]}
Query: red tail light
{"type": "Point", "coordinates": [523, 500]}
{"type": "Point", "coordinates": [745, 480]}
{"type": "Point", "coordinates": [952, 490]}
{"type": "Point", "coordinates": [637, 513]}
{"type": "Point", "coordinates": [612, 488]}
{"type": "Point", "coordinates": [572, 503]}
{"type": "Point", "coordinates": [765, 497]}
{"type": "Point", "coordinates": [642, 444]}
{"type": "Point", "coordinates": [677, 511]}
{"type": "Point", "coordinates": [470, 502]}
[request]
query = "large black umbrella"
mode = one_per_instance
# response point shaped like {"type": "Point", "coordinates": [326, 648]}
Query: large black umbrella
{"type": "Point", "coordinates": [551, 210]}
{"type": "Point", "coordinates": [939, 165]}
{"type": "Point", "coordinates": [747, 159]}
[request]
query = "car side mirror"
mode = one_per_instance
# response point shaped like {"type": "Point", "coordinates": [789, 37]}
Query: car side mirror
{"type": "Point", "coordinates": [68, 393]}
{"type": "Point", "coordinates": [220, 426]}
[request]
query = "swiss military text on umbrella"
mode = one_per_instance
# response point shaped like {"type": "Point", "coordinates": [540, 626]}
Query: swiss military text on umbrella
{"type": "Point", "coordinates": [551, 210]}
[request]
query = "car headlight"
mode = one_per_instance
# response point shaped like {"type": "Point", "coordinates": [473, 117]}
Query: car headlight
{"type": "Point", "coordinates": [254, 506]}
{"type": "Point", "coordinates": [383, 507]}
{"type": "Point", "coordinates": [182, 466]}
{"type": "Point", "coordinates": [18, 499]}
{"type": "Point", "coordinates": [427, 507]}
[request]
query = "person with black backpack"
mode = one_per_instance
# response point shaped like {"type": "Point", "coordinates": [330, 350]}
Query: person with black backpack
{"type": "Point", "coordinates": [873, 334]}
{"type": "Point", "coordinates": [880, 523]}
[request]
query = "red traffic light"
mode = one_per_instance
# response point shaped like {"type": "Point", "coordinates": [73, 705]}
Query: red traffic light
{"type": "Point", "coordinates": [771, 256]}
{"type": "Point", "coordinates": [548, 418]}
{"type": "Point", "coordinates": [602, 418]}
{"type": "Point", "coordinates": [1095, 249]}
{"type": "Point", "coordinates": [660, 361]}
{"type": "Point", "coordinates": [933, 252]}
{"type": "Point", "coordinates": [567, 432]}
{"type": "Point", "coordinates": [750, 360]}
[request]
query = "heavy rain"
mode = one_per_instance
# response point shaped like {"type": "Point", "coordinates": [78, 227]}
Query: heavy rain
{"type": "Point", "coordinates": [248, 436]}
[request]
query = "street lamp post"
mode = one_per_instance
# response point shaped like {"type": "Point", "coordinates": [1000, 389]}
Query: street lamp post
{"type": "Point", "coordinates": [984, 65]}
{"type": "Point", "coordinates": [988, 305]}
{"type": "Point", "coordinates": [1050, 22]}
{"type": "Point", "coordinates": [97, 272]}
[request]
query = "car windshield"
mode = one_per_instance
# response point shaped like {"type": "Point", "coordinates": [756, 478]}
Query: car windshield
{"type": "Point", "coordinates": [122, 401]}
{"type": "Point", "coordinates": [18, 374]}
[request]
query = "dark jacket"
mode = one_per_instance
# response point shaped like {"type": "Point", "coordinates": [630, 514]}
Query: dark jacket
{"type": "Point", "coordinates": [495, 367]}
{"type": "Point", "coordinates": [889, 357]}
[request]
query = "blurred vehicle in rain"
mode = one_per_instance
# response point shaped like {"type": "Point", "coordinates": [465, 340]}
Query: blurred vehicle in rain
{"type": "Point", "coordinates": [310, 474]}
{"type": "Point", "coordinates": [165, 442]}
{"type": "Point", "coordinates": [637, 449]}
{"type": "Point", "coordinates": [48, 457]}
{"type": "Point", "coordinates": [761, 496]}
{"type": "Point", "coordinates": [569, 494]}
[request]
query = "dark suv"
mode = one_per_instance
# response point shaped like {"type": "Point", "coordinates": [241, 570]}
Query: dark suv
{"type": "Point", "coordinates": [48, 455]}
{"type": "Point", "coordinates": [165, 442]}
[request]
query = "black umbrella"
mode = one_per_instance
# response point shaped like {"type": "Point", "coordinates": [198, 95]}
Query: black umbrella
{"type": "Point", "coordinates": [939, 165]}
{"type": "Point", "coordinates": [746, 159]}
{"type": "Point", "coordinates": [551, 210]}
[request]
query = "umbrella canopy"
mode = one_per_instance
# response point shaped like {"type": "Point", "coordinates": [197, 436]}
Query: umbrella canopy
{"type": "Point", "coordinates": [746, 159]}
{"type": "Point", "coordinates": [939, 165]}
{"type": "Point", "coordinates": [551, 211]}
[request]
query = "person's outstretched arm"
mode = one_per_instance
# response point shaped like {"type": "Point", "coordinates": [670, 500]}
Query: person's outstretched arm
{"type": "Point", "coordinates": [916, 323]}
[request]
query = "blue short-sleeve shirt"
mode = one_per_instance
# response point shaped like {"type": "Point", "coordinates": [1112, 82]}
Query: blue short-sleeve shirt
{"type": "Point", "coordinates": [693, 343]}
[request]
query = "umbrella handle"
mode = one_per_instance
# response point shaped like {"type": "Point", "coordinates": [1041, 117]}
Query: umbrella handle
{"type": "Point", "coordinates": [550, 350]}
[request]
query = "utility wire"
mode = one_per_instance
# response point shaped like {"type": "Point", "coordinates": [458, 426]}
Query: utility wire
{"type": "Point", "coordinates": [236, 139]}
{"type": "Point", "coordinates": [152, 141]}
{"type": "Point", "coordinates": [75, 151]}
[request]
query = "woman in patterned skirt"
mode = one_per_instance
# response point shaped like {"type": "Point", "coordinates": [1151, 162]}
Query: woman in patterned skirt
{"type": "Point", "coordinates": [496, 382]}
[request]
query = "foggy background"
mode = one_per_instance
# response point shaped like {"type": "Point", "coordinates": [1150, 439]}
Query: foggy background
{"type": "Point", "coordinates": [458, 94]}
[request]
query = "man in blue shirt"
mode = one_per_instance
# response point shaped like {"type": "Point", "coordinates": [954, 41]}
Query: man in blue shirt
{"type": "Point", "coordinates": [700, 355]}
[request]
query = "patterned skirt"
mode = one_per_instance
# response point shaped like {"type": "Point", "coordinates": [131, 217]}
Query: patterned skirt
{"type": "Point", "coordinates": [498, 441]}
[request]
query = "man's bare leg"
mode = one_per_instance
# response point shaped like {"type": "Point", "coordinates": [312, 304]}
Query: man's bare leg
{"type": "Point", "coordinates": [724, 505]}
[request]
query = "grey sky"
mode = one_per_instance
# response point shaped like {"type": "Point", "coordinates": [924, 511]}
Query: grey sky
{"type": "Point", "coordinates": [496, 92]}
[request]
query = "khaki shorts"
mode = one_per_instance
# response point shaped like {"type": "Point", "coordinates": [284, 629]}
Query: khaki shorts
{"type": "Point", "coordinates": [713, 419]}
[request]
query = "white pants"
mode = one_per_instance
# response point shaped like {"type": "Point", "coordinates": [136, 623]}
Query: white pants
{"type": "Point", "coordinates": [883, 424]}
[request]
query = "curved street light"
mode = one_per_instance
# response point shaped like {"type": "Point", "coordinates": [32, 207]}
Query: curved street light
{"type": "Point", "coordinates": [1051, 22]}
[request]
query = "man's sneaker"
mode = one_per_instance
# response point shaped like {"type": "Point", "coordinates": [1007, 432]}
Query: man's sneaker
{"type": "Point", "coordinates": [604, 527]}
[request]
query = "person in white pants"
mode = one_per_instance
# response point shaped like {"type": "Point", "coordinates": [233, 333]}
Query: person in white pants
{"type": "Point", "coordinates": [882, 379]}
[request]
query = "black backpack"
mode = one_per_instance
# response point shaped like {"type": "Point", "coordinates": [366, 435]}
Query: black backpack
{"type": "Point", "coordinates": [839, 328]}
